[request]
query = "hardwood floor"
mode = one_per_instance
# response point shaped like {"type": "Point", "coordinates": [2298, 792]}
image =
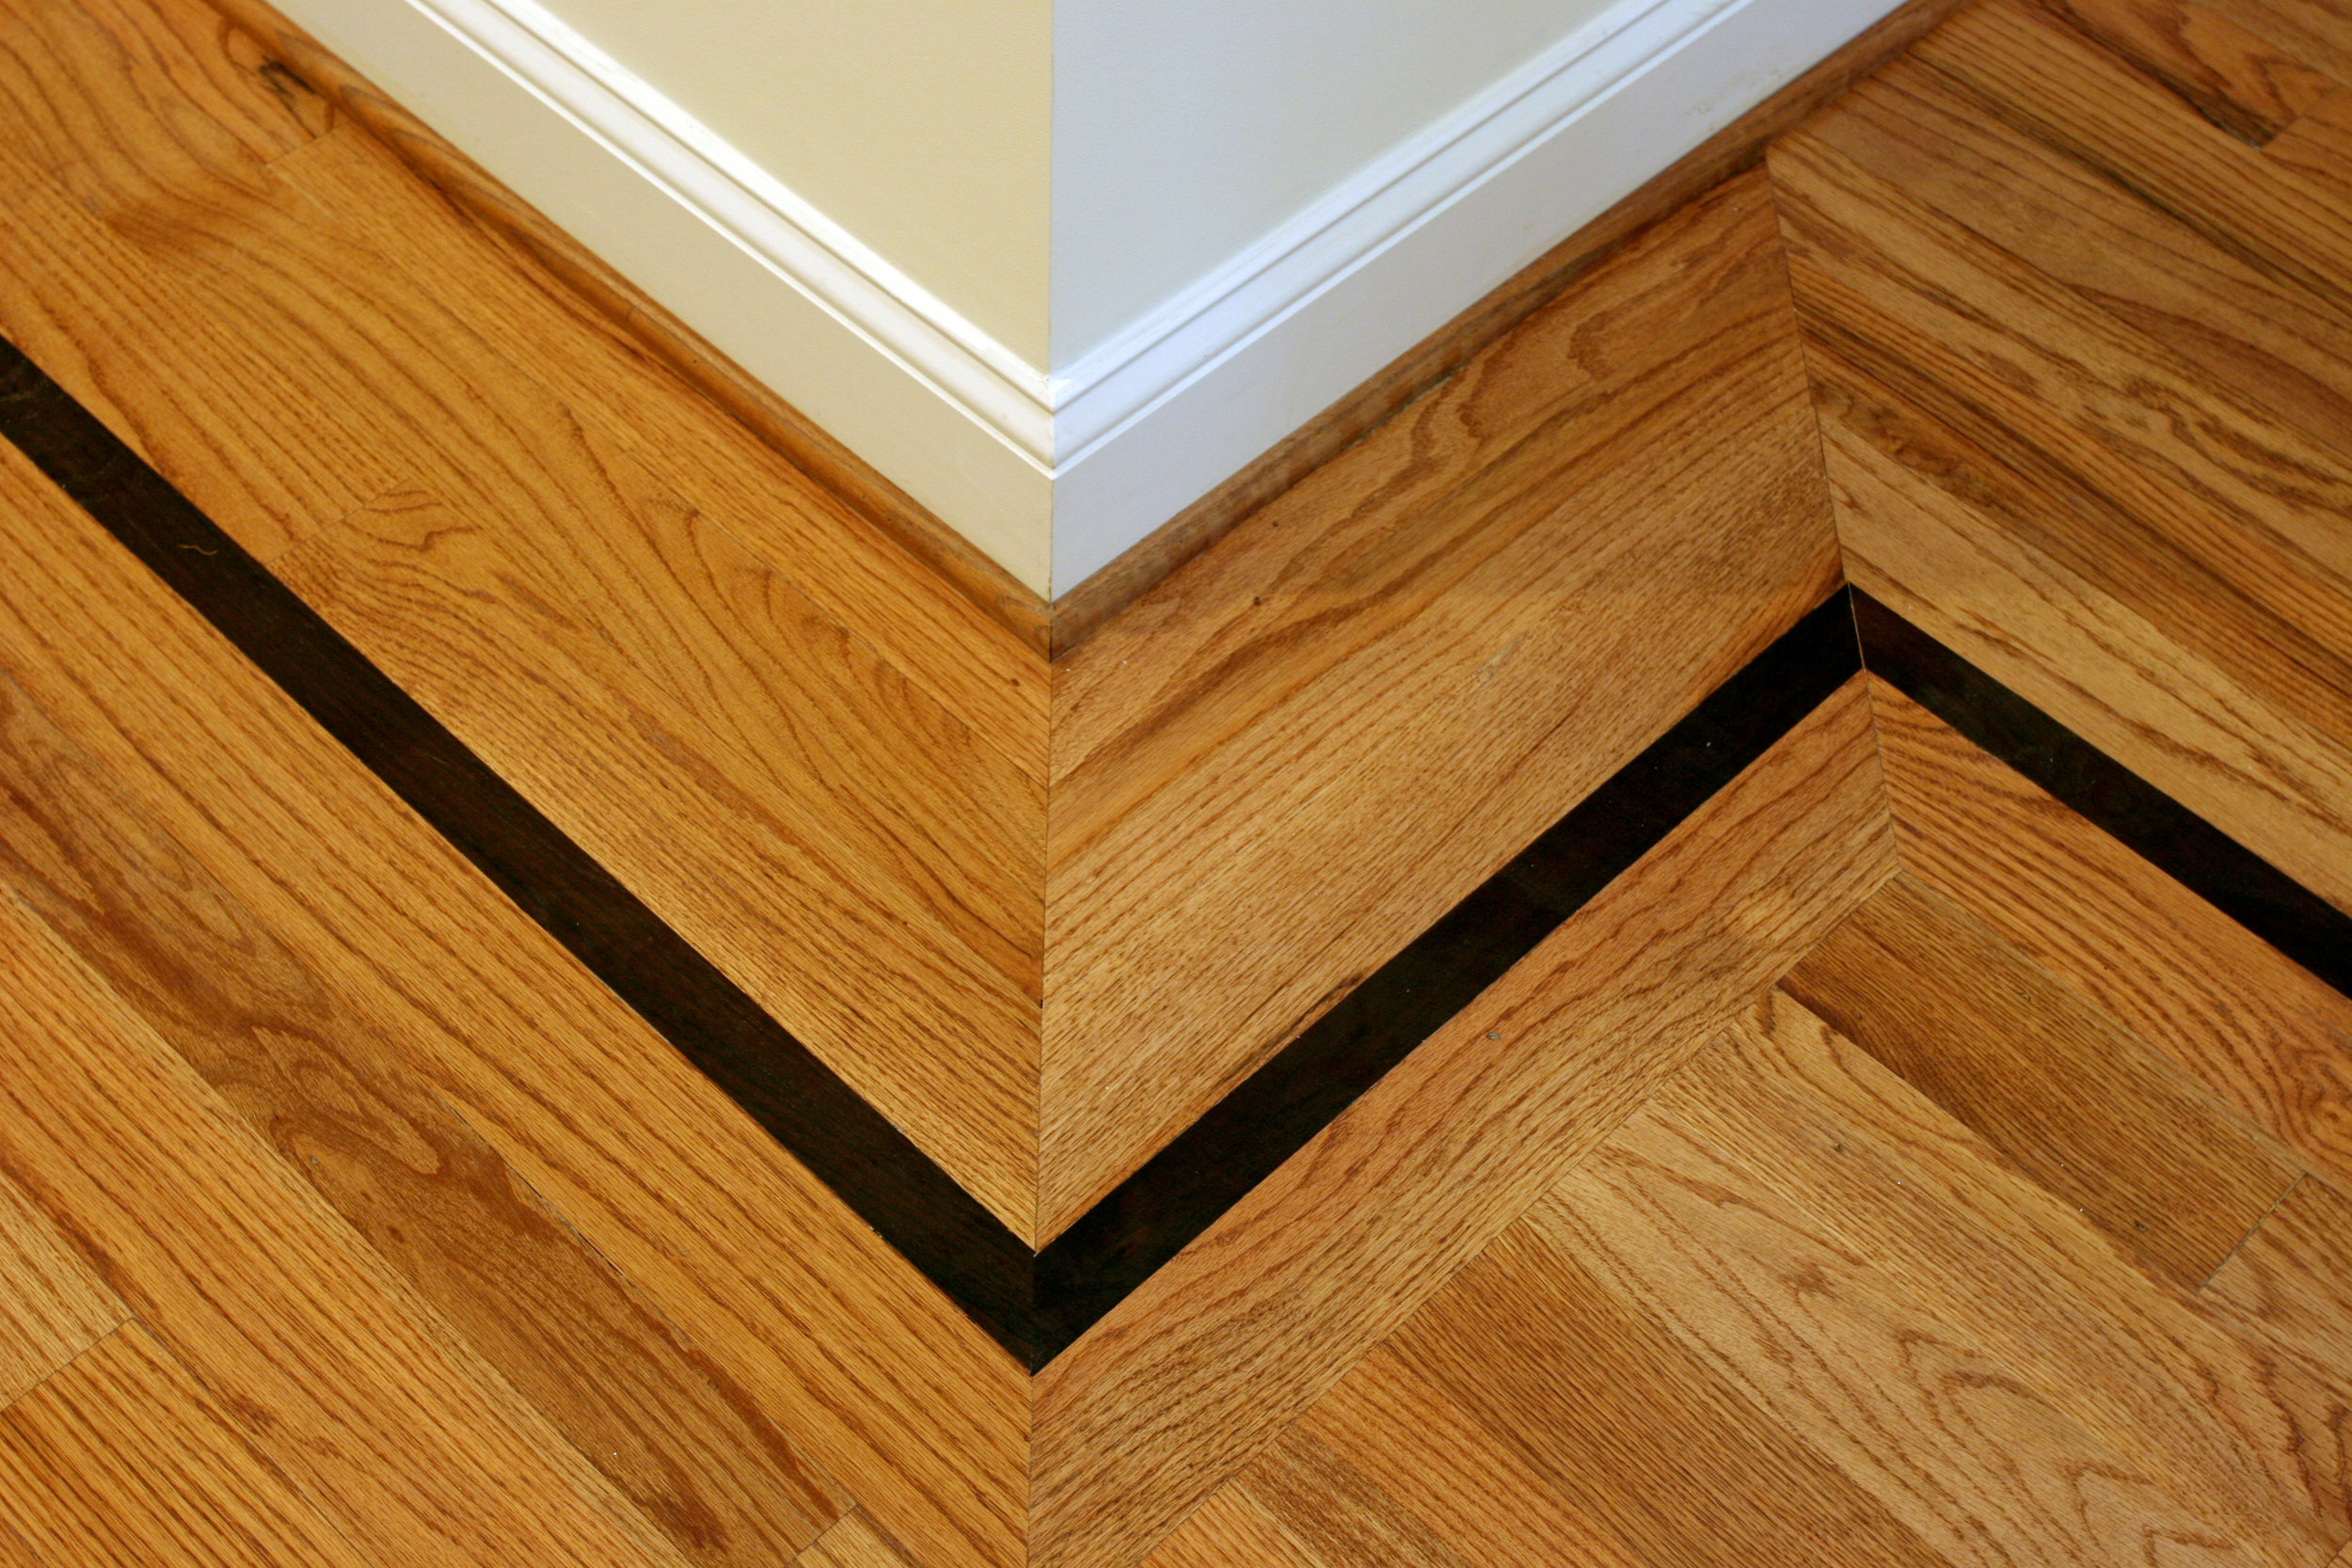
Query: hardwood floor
{"type": "Point", "coordinates": [1723, 943]}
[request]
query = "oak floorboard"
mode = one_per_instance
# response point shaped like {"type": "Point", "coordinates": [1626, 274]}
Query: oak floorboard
{"type": "Point", "coordinates": [138, 349]}
{"type": "Point", "coordinates": [2037, 1289]}
{"type": "Point", "coordinates": [837, 845]}
{"type": "Point", "coordinates": [1183, 1383]}
{"type": "Point", "coordinates": [187, 60]}
{"type": "Point", "coordinates": [360, 192]}
{"type": "Point", "coordinates": [2278, 787]}
{"type": "Point", "coordinates": [2289, 1286]}
{"type": "Point", "coordinates": [1231, 1528]}
{"type": "Point", "coordinates": [2242, 82]}
{"type": "Point", "coordinates": [373, 377]}
{"type": "Point", "coordinates": [52, 1306]}
{"type": "Point", "coordinates": [2064, 1093]}
{"type": "Point", "coordinates": [2083, 437]}
{"type": "Point", "coordinates": [1887, 1384]}
{"type": "Point", "coordinates": [2257, 1029]}
{"type": "Point", "coordinates": [315, 1078]}
{"type": "Point", "coordinates": [875, 1375]}
{"type": "Point", "coordinates": [2252, 335]}
{"type": "Point", "coordinates": [2041, 75]}
{"type": "Point", "coordinates": [2318, 147]}
{"type": "Point", "coordinates": [1444, 677]}
{"type": "Point", "coordinates": [852, 1542]}
{"type": "Point", "coordinates": [414, 1451]}
{"type": "Point", "coordinates": [2317, 32]}
{"type": "Point", "coordinates": [123, 1459]}
{"type": "Point", "coordinates": [1632, 1427]}
{"type": "Point", "coordinates": [1422, 1474]}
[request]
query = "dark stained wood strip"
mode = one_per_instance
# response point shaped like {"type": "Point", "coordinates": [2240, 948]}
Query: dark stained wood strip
{"type": "Point", "coordinates": [2236, 881]}
{"type": "Point", "coordinates": [933, 1223]}
{"type": "Point", "coordinates": [1205, 1170]}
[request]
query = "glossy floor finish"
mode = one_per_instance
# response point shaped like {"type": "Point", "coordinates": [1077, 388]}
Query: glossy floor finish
{"type": "Point", "coordinates": [570, 1002]}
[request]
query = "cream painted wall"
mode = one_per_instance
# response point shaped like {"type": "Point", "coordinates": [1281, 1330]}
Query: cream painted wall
{"type": "Point", "coordinates": [921, 126]}
{"type": "Point", "coordinates": [1183, 132]}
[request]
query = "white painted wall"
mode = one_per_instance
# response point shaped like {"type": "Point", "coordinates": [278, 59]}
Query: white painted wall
{"type": "Point", "coordinates": [1183, 132]}
{"type": "Point", "coordinates": [921, 126]}
{"type": "Point", "coordinates": [1215, 216]}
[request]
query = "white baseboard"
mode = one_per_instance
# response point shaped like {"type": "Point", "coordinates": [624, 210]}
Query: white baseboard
{"type": "Point", "coordinates": [1054, 475]}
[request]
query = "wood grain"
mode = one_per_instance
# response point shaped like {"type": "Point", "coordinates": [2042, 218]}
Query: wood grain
{"type": "Point", "coordinates": [2256, 1030]}
{"type": "Point", "coordinates": [1621, 499]}
{"type": "Point", "coordinates": [1423, 1480]}
{"type": "Point", "coordinates": [839, 847]}
{"type": "Point", "coordinates": [608, 305]}
{"type": "Point", "coordinates": [2066, 1094]}
{"type": "Point", "coordinates": [2031, 1284]}
{"type": "Point", "coordinates": [1082, 609]}
{"type": "Point", "coordinates": [132, 345]}
{"type": "Point", "coordinates": [1233, 1526]}
{"type": "Point", "coordinates": [2251, 334]}
{"type": "Point", "coordinates": [52, 1306]}
{"type": "Point", "coordinates": [367, 348]}
{"type": "Point", "coordinates": [410, 1448]}
{"type": "Point", "coordinates": [1622, 1419]}
{"type": "Point", "coordinates": [2312, 31]}
{"type": "Point", "coordinates": [2289, 1286]}
{"type": "Point", "coordinates": [315, 1078]}
{"type": "Point", "coordinates": [359, 197]}
{"type": "Point", "coordinates": [790, 1296]}
{"type": "Point", "coordinates": [2318, 147]}
{"type": "Point", "coordinates": [1837, 1350]}
{"type": "Point", "coordinates": [2082, 438]}
{"type": "Point", "coordinates": [2106, 672]}
{"type": "Point", "coordinates": [2240, 81]}
{"type": "Point", "coordinates": [1192, 1374]}
{"type": "Point", "coordinates": [2037, 73]}
{"type": "Point", "coordinates": [852, 1542]}
{"type": "Point", "coordinates": [124, 1458]}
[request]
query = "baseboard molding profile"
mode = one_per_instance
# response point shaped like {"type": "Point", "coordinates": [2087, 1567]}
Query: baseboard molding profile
{"type": "Point", "coordinates": [1055, 499]}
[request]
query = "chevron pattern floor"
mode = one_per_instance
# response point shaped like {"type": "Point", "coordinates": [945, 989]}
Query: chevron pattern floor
{"type": "Point", "coordinates": [1727, 942]}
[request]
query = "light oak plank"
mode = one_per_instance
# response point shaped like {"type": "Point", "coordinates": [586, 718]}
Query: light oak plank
{"type": "Point", "coordinates": [406, 1445]}
{"type": "Point", "coordinates": [1469, 663]}
{"type": "Point", "coordinates": [1189, 1377]}
{"type": "Point", "coordinates": [2066, 1096]}
{"type": "Point", "coordinates": [834, 841]}
{"type": "Point", "coordinates": [123, 1459]}
{"type": "Point", "coordinates": [872, 1372]}
{"type": "Point", "coordinates": [52, 1306]}
{"type": "Point", "coordinates": [2257, 1029]}
{"type": "Point", "coordinates": [2289, 1286]}
{"type": "Point", "coordinates": [2313, 31]}
{"type": "Point", "coordinates": [316, 1079]}
{"type": "Point", "coordinates": [1881, 1380]}
{"type": "Point", "coordinates": [2318, 147]}
{"type": "Point", "coordinates": [853, 1542]}
{"type": "Point", "coordinates": [14, 1553]}
{"type": "Point", "coordinates": [2251, 334]}
{"type": "Point", "coordinates": [1893, 1178]}
{"type": "Point", "coordinates": [1623, 1420]}
{"type": "Point", "coordinates": [1231, 1528]}
{"type": "Point", "coordinates": [1341, 1516]}
{"type": "Point", "coordinates": [2240, 81]}
{"type": "Point", "coordinates": [357, 192]}
{"type": "Point", "coordinates": [373, 355]}
{"type": "Point", "coordinates": [198, 63]}
{"type": "Point", "coordinates": [2041, 75]}
{"type": "Point", "coordinates": [137, 349]}
{"type": "Point", "coordinates": [2277, 786]}
{"type": "Point", "coordinates": [2083, 438]}
{"type": "Point", "coordinates": [1428, 1461]}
